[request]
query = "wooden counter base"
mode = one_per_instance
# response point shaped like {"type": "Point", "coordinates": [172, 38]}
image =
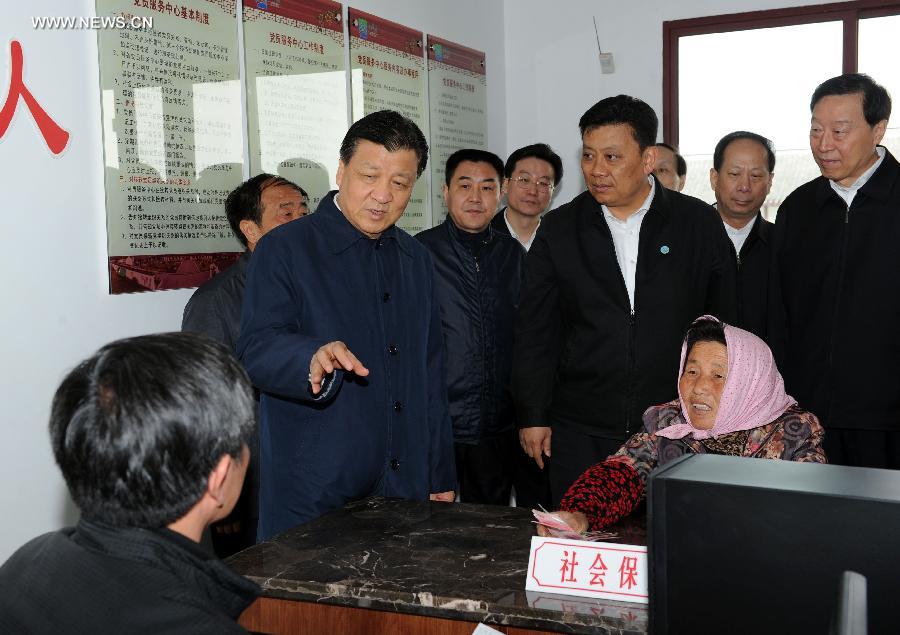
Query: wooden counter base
{"type": "Point", "coordinates": [275, 616]}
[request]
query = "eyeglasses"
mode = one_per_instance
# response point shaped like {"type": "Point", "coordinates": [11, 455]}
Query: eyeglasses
{"type": "Point", "coordinates": [525, 182]}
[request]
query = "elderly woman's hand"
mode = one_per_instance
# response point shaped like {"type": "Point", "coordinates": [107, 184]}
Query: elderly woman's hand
{"type": "Point", "coordinates": [576, 520]}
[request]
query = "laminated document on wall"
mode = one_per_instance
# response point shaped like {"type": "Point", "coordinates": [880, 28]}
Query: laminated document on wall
{"type": "Point", "coordinates": [172, 141]}
{"type": "Point", "coordinates": [296, 90]}
{"type": "Point", "coordinates": [387, 71]}
{"type": "Point", "coordinates": [457, 97]}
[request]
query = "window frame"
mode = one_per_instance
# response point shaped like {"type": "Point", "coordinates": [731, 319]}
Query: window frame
{"type": "Point", "coordinates": [849, 13]}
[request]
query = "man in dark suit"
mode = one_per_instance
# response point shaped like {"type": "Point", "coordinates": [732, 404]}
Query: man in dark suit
{"type": "Point", "coordinates": [741, 176]}
{"type": "Point", "coordinates": [612, 282]}
{"type": "Point", "coordinates": [835, 297]}
{"type": "Point", "coordinates": [530, 176]}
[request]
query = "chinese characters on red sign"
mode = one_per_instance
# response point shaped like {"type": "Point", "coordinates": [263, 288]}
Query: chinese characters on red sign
{"type": "Point", "coordinates": [54, 136]}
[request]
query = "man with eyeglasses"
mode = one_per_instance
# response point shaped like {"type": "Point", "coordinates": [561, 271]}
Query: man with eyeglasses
{"type": "Point", "coordinates": [531, 174]}
{"type": "Point", "coordinates": [477, 272]}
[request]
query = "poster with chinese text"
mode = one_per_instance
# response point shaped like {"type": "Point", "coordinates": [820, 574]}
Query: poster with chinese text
{"type": "Point", "coordinates": [172, 141]}
{"type": "Point", "coordinates": [457, 96]}
{"type": "Point", "coordinates": [387, 68]}
{"type": "Point", "coordinates": [296, 90]}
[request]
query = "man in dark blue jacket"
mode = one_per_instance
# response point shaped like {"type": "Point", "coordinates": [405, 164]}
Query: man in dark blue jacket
{"type": "Point", "coordinates": [341, 333]}
{"type": "Point", "coordinates": [477, 273]}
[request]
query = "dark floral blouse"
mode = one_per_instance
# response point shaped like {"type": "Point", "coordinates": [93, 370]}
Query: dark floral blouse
{"type": "Point", "coordinates": [610, 490]}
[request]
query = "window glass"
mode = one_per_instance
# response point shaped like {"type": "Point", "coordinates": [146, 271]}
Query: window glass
{"type": "Point", "coordinates": [759, 80]}
{"type": "Point", "coordinates": [879, 52]}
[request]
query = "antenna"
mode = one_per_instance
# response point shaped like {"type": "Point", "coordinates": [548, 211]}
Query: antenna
{"type": "Point", "coordinates": [607, 65]}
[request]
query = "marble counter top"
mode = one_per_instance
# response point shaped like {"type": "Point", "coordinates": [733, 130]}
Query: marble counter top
{"type": "Point", "coordinates": [446, 560]}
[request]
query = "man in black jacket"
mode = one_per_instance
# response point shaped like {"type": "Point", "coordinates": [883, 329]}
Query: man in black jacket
{"type": "Point", "coordinates": [612, 282]}
{"type": "Point", "coordinates": [741, 176]}
{"type": "Point", "coordinates": [253, 208]}
{"type": "Point", "coordinates": [477, 274]}
{"type": "Point", "coordinates": [835, 306]}
{"type": "Point", "coordinates": [151, 435]}
{"type": "Point", "coordinates": [530, 175]}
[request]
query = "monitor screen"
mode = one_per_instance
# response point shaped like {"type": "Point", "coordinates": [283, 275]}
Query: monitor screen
{"type": "Point", "coordinates": [743, 545]}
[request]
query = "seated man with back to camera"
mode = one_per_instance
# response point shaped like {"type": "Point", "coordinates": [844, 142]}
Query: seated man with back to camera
{"type": "Point", "coordinates": [731, 401]}
{"type": "Point", "coordinates": [151, 436]}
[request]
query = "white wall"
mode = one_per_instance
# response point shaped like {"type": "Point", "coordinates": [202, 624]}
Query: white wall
{"type": "Point", "coordinates": [553, 72]}
{"type": "Point", "coordinates": [55, 307]}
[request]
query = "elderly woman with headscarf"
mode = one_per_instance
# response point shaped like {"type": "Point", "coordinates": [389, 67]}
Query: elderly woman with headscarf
{"type": "Point", "coordinates": [731, 401]}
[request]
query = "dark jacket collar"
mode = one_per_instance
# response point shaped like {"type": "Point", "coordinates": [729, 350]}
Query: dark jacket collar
{"type": "Point", "coordinates": [662, 198]}
{"type": "Point", "coordinates": [206, 574]}
{"type": "Point", "coordinates": [761, 231]}
{"type": "Point", "coordinates": [661, 203]}
{"type": "Point", "coordinates": [879, 186]}
{"type": "Point", "coordinates": [456, 232]}
{"type": "Point", "coordinates": [341, 235]}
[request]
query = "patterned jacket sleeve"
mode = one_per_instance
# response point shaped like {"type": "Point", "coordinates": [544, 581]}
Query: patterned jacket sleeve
{"type": "Point", "coordinates": [808, 433]}
{"type": "Point", "coordinates": [605, 493]}
{"type": "Point", "coordinates": [609, 491]}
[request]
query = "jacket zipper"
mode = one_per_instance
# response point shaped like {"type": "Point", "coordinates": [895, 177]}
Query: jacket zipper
{"type": "Point", "coordinates": [481, 403]}
{"type": "Point", "coordinates": [842, 259]}
{"type": "Point", "coordinates": [629, 400]}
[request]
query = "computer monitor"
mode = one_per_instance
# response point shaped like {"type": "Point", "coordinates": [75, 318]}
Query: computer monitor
{"type": "Point", "coordinates": [741, 545]}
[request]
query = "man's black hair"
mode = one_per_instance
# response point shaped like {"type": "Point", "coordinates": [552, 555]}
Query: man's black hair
{"type": "Point", "coordinates": [389, 129]}
{"type": "Point", "coordinates": [876, 100]}
{"type": "Point", "coordinates": [623, 109]}
{"type": "Point", "coordinates": [727, 140]}
{"type": "Point", "coordinates": [538, 151]}
{"type": "Point", "coordinates": [243, 203]}
{"type": "Point", "coordinates": [476, 156]}
{"type": "Point", "coordinates": [680, 163]}
{"type": "Point", "coordinates": [138, 427]}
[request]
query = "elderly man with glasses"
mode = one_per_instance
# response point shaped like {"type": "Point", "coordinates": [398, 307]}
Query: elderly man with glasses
{"type": "Point", "coordinates": [531, 174]}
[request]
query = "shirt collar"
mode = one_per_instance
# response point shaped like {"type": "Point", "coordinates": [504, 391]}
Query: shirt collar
{"type": "Point", "coordinates": [844, 192]}
{"type": "Point", "coordinates": [645, 206]}
{"type": "Point", "coordinates": [743, 231]}
{"type": "Point", "coordinates": [512, 232]}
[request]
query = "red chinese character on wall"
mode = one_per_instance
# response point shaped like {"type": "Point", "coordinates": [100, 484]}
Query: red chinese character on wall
{"type": "Point", "coordinates": [628, 572]}
{"type": "Point", "coordinates": [568, 567]}
{"type": "Point", "coordinates": [54, 136]}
